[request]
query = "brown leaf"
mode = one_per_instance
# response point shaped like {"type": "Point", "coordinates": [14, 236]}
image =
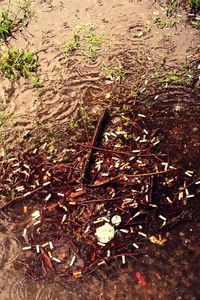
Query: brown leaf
{"type": "Point", "coordinates": [47, 261]}
{"type": "Point", "coordinates": [77, 194]}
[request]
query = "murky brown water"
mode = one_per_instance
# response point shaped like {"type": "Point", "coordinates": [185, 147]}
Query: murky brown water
{"type": "Point", "coordinates": [171, 272]}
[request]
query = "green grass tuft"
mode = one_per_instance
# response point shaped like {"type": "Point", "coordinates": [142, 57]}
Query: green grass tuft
{"type": "Point", "coordinates": [194, 4]}
{"type": "Point", "coordinates": [11, 22]}
{"type": "Point", "coordinates": [15, 63]}
{"type": "Point", "coordinates": [172, 76]}
{"type": "Point", "coordinates": [85, 41]}
{"type": "Point", "coordinates": [115, 73]}
{"type": "Point", "coordinates": [6, 25]}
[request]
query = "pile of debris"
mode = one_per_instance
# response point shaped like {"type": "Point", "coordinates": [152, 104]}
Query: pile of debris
{"type": "Point", "coordinates": [117, 194]}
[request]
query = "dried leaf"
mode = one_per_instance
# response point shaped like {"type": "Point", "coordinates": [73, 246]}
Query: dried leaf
{"type": "Point", "coordinates": [77, 194]}
{"type": "Point", "coordinates": [47, 261]}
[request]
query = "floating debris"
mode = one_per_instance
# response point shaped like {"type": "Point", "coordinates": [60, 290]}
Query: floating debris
{"type": "Point", "coordinates": [51, 245]}
{"type": "Point", "coordinates": [25, 209]}
{"type": "Point", "coordinates": [142, 233]}
{"type": "Point", "coordinates": [35, 215]}
{"type": "Point", "coordinates": [153, 239]}
{"type": "Point", "coordinates": [37, 223]}
{"type": "Point", "coordinates": [190, 196]}
{"type": "Point", "coordinates": [116, 220]}
{"type": "Point", "coordinates": [96, 208]}
{"type": "Point", "coordinates": [105, 233]}
{"type": "Point", "coordinates": [77, 274]}
{"type": "Point", "coordinates": [72, 261]}
{"type": "Point", "coordinates": [169, 200]}
{"type": "Point", "coordinates": [135, 245]}
{"type": "Point", "coordinates": [20, 188]}
{"type": "Point", "coordinates": [141, 115]}
{"type": "Point", "coordinates": [189, 173]}
{"type": "Point", "coordinates": [140, 279]}
{"type": "Point", "coordinates": [56, 259]}
{"type": "Point", "coordinates": [108, 253]}
{"type": "Point", "coordinates": [50, 254]}
{"type": "Point", "coordinates": [26, 248]}
{"type": "Point", "coordinates": [64, 218]}
{"type": "Point", "coordinates": [123, 259]}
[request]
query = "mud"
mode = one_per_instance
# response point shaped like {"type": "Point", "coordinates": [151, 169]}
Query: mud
{"type": "Point", "coordinates": [133, 42]}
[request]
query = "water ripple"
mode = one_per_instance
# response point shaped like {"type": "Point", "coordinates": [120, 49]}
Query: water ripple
{"type": "Point", "coordinates": [23, 289]}
{"type": "Point", "coordinates": [9, 250]}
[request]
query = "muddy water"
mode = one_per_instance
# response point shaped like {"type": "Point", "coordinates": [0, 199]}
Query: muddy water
{"type": "Point", "coordinates": [133, 41]}
{"type": "Point", "coordinates": [67, 84]}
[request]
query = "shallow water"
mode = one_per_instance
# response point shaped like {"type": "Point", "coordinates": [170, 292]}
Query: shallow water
{"type": "Point", "coordinates": [171, 272]}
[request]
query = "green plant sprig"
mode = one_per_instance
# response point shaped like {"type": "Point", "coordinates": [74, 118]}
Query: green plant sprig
{"type": "Point", "coordinates": [10, 22]}
{"type": "Point", "coordinates": [194, 4]}
{"type": "Point", "coordinates": [15, 63]}
{"type": "Point", "coordinates": [85, 41]}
